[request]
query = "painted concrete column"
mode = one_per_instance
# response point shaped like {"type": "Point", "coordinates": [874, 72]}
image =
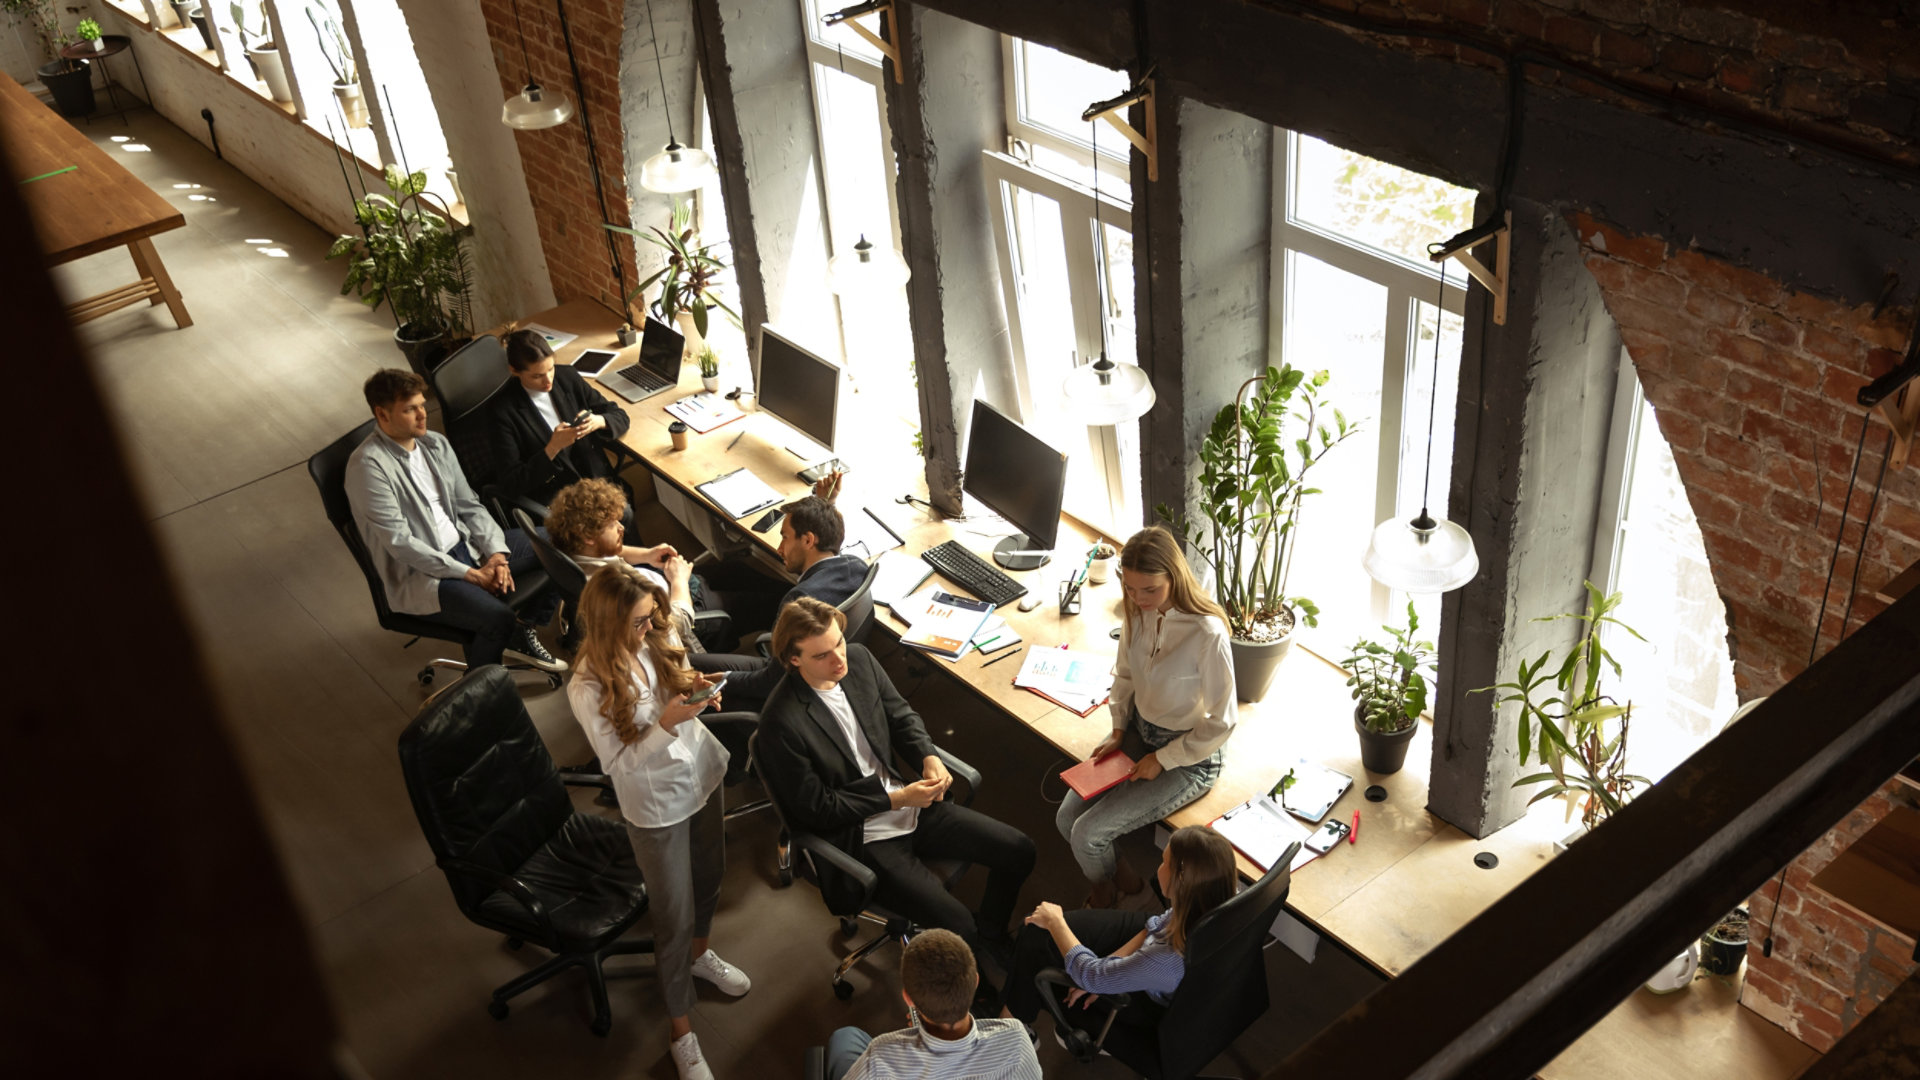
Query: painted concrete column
{"type": "Point", "coordinates": [644, 116]}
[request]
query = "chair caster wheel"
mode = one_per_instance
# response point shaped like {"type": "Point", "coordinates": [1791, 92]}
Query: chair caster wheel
{"type": "Point", "coordinates": [848, 928]}
{"type": "Point", "coordinates": [843, 990]}
{"type": "Point", "coordinates": [497, 1010]}
{"type": "Point", "coordinates": [425, 676]}
{"type": "Point", "coordinates": [601, 1025]}
{"type": "Point", "coordinates": [553, 681]}
{"type": "Point", "coordinates": [786, 876]}
{"type": "Point", "coordinates": [514, 943]}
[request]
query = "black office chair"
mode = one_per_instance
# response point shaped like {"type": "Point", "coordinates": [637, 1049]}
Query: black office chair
{"type": "Point", "coordinates": [328, 468]}
{"type": "Point", "coordinates": [859, 608]}
{"type": "Point", "coordinates": [520, 861]}
{"type": "Point", "coordinates": [1222, 993]}
{"type": "Point", "coordinates": [814, 850]}
{"type": "Point", "coordinates": [569, 577]}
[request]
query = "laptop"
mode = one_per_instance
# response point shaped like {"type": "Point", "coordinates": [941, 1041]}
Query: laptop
{"type": "Point", "coordinates": [657, 370]}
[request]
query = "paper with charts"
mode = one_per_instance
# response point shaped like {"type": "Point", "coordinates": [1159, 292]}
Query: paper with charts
{"type": "Point", "coordinates": [1076, 680]}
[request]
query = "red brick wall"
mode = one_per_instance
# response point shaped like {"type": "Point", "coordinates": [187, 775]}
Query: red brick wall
{"type": "Point", "coordinates": [1753, 388]}
{"type": "Point", "coordinates": [555, 160]}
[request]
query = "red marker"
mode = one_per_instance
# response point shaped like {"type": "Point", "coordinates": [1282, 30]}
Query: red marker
{"type": "Point", "coordinates": [1353, 832]}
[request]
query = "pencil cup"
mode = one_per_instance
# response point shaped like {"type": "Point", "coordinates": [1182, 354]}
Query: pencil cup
{"type": "Point", "coordinates": [677, 431]}
{"type": "Point", "coordinates": [1069, 598]}
{"type": "Point", "coordinates": [1101, 567]}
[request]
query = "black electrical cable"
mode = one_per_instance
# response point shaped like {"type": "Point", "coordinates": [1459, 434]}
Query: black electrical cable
{"type": "Point", "coordinates": [593, 155]}
{"type": "Point", "coordinates": [1853, 588]}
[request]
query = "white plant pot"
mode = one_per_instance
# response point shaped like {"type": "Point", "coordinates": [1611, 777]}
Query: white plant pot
{"type": "Point", "coordinates": [352, 104]}
{"type": "Point", "coordinates": [711, 383]}
{"type": "Point", "coordinates": [99, 44]}
{"type": "Point", "coordinates": [453, 181]}
{"type": "Point", "coordinates": [273, 72]}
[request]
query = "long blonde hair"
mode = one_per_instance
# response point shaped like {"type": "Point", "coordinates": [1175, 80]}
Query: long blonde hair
{"type": "Point", "coordinates": [1153, 550]}
{"type": "Point", "coordinates": [1204, 877]}
{"type": "Point", "coordinates": [610, 647]}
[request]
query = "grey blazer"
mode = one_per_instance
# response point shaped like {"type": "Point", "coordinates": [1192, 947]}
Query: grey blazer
{"type": "Point", "coordinates": [396, 521]}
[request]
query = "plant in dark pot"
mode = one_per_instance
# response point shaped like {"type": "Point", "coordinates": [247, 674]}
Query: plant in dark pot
{"type": "Point", "coordinates": [1390, 688]}
{"type": "Point", "coordinates": [1724, 948]}
{"type": "Point", "coordinates": [198, 15]}
{"type": "Point", "coordinates": [413, 258]}
{"type": "Point", "coordinates": [1252, 482]}
{"type": "Point", "coordinates": [69, 81]}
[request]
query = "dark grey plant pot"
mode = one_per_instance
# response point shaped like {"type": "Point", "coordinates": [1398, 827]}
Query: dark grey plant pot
{"type": "Point", "coordinates": [71, 84]}
{"type": "Point", "coordinates": [1254, 664]}
{"type": "Point", "coordinates": [1382, 753]}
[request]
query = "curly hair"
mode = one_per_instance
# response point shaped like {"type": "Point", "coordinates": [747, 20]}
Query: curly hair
{"type": "Point", "coordinates": [578, 513]}
{"type": "Point", "coordinates": [610, 645]}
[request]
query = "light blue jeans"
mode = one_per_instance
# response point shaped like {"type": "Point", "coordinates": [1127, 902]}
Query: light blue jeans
{"type": "Point", "coordinates": [844, 1047]}
{"type": "Point", "coordinates": [1092, 826]}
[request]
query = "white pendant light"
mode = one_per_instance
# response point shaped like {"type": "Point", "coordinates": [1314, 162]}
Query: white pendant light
{"type": "Point", "coordinates": [675, 168]}
{"type": "Point", "coordinates": [531, 109]}
{"type": "Point", "coordinates": [1423, 555]}
{"type": "Point", "coordinates": [1104, 393]}
{"type": "Point", "coordinates": [867, 269]}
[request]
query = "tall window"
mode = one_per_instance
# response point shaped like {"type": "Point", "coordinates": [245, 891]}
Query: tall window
{"type": "Point", "coordinates": [1357, 297]}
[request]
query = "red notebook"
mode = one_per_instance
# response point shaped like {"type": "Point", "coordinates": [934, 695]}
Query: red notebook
{"type": "Point", "coordinates": [1090, 778]}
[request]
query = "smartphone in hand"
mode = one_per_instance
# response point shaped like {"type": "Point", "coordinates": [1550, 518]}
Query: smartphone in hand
{"type": "Point", "coordinates": [706, 692]}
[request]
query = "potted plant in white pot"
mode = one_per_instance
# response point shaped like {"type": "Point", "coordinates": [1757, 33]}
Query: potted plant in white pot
{"type": "Point", "coordinates": [1390, 684]}
{"type": "Point", "coordinates": [709, 369]}
{"type": "Point", "coordinates": [69, 81]}
{"type": "Point", "coordinates": [1570, 724]}
{"type": "Point", "coordinates": [89, 31]}
{"type": "Point", "coordinates": [262, 53]}
{"type": "Point", "coordinates": [411, 257]}
{"type": "Point", "coordinates": [688, 283]}
{"type": "Point", "coordinates": [346, 74]}
{"type": "Point", "coordinates": [1252, 481]}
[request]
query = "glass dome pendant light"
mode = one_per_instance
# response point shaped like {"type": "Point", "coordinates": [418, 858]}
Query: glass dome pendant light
{"type": "Point", "coordinates": [531, 109]}
{"type": "Point", "coordinates": [867, 269]}
{"type": "Point", "coordinates": [675, 168]}
{"type": "Point", "coordinates": [1423, 555]}
{"type": "Point", "coordinates": [1104, 393]}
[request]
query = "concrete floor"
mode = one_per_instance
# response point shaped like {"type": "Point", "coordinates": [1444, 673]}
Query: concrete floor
{"type": "Point", "coordinates": [218, 421]}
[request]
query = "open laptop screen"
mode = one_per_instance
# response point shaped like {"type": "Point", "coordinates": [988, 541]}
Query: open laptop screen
{"type": "Point", "coordinates": [660, 349]}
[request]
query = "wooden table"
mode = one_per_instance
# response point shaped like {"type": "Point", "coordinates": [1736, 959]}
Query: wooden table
{"type": "Point", "coordinates": [1408, 883]}
{"type": "Point", "coordinates": [95, 207]}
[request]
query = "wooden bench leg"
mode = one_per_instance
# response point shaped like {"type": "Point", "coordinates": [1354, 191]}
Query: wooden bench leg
{"type": "Point", "coordinates": [143, 250]}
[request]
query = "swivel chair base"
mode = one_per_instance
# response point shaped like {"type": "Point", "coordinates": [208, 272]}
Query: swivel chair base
{"type": "Point", "coordinates": [426, 674]}
{"type": "Point", "coordinates": [893, 929]}
{"type": "Point", "coordinates": [596, 979]}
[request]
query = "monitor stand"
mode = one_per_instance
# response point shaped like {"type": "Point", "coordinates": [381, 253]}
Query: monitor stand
{"type": "Point", "coordinates": [1017, 552]}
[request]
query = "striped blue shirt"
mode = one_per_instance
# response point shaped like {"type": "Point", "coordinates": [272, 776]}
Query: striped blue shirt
{"type": "Point", "coordinates": [1154, 967]}
{"type": "Point", "coordinates": [990, 1050]}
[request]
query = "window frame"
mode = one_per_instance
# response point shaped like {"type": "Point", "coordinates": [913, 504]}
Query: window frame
{"type": "Point", "coordinates": [1116, 162]}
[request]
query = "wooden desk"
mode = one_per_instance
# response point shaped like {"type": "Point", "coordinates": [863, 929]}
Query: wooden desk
{"type": "Point", "coordinates": [97, 206]}
{"type": "Point", "coordinates": [1408, 883]}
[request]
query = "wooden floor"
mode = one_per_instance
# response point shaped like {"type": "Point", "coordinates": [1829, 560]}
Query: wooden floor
{"type": "Point", "coordinates": [217, 421]}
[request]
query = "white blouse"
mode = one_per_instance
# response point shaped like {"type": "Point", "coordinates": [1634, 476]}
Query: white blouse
{"type": "Point", "coordinates": [1177, 670]}
{"type": "Point", "coordinates": [660, 779]}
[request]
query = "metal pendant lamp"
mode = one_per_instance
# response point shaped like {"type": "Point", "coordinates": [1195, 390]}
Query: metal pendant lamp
{"type": "Point", "coordinates": [1423, 555]}
{"type": "Point", "coordinates": [867, 269]}
{"type": "Point", "coordinates": [532, 109]}
{"type": "Point", "coordinates": [676, 168]}
{"type": "Point", "coordinates": [1104, 393]}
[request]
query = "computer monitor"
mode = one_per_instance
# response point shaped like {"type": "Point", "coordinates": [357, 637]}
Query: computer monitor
{"type": "Point", "coordinates": [798, 387]}
{"type": "Point", "coordinates": [1020, 478]}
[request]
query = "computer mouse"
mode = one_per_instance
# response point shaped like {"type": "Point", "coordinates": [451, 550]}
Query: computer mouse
{"type": "Point", "coordinates": [1029, 602]}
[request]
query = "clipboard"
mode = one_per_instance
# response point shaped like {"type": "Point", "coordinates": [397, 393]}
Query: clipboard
{"type": "Point", "coordinates": [739, 493]}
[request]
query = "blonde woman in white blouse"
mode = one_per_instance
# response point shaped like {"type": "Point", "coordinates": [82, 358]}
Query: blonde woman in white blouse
{"type": "Point", "coordinates": [629, 691]}
{"type": "Point", "coordinates": [1172, 708]}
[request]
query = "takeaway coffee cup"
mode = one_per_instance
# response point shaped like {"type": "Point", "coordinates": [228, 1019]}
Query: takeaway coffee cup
{"type": "Point", "coordinates": [677, 431]}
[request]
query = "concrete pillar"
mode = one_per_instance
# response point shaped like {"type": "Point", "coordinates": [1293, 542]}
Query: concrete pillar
{"type": "Point", "coordinates": [644, 116]}
{"type": "Point", "coordinates": [1531, 425]}
{"type": "Point", "coordinates": [944, 115]}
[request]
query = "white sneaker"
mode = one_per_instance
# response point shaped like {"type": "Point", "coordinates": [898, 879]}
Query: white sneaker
{"type": "Point", "coordinates": [728, 978]}
{"type": "Point", "coordinates": [688, 1060]}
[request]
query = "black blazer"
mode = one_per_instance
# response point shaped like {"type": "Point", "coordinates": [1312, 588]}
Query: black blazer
{"type": "Point", "coordinates": [518, 437]}
{"type": "Point", "coordinates": [830, 581]}
{"type": "Point", "coordinates": [810, 771]}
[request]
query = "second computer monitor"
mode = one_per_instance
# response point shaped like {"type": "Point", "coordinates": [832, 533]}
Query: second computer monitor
{"type": "Point", "coordinates": [1020, 478]}
{"type": "Point", "coordinates": [798, 387]}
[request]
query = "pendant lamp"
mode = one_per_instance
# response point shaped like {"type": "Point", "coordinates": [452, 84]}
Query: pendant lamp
{"type": "Point", "coordinates": [531, 109]}
{"type": "Point", "coordinates": [867, 269]}
{"type": "Point", "coordinates": [1104, 393]}
{"type": "Point", "coordinates": [1423, 555]}
{"type": "Point", "coordinates": [675, 168]}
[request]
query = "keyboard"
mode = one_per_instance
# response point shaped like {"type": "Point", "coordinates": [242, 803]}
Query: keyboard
{"type": "Point", "coordinates": [974, 574]}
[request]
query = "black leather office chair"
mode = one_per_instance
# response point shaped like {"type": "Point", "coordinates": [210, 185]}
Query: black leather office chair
{"type": "Point", "coordinates": [814, 850]}
{"type": "Point", "coordinates": [328, 468]}
{"type": "Point", "coordinates": [1222, 993]}
{"type": "Point", "coordinates": [570, 577]}
{"type": "Point", "coordinates": [859, 608]}
{"type": "Point", "coordinates": [520, 861]}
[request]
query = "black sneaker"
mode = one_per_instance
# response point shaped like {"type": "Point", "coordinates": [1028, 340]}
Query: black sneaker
{"type": "Point", "coordinates": [526, 649]}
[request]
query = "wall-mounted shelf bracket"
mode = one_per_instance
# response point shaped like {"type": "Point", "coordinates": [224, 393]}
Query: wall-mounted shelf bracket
{"type": "Point", "coordinates": [1897, 397]}
{"type": "Point", "coordinates": [850, 15]}
{"type": "Point", "coordinates": [1113, 111]}
{"type": "Point", "coordinates": [1461, 248]}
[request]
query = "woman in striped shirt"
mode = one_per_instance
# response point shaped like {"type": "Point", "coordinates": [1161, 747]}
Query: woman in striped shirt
{"type": "Point", "coordinates": [1116, 952]}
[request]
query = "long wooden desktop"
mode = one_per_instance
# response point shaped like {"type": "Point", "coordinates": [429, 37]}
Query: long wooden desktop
{"type": "Point", "coordinates": [1408, 883]}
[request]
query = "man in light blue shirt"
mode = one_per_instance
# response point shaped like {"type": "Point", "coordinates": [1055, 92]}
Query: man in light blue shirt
{"type": "Point", "coordinates": [945, 1042]}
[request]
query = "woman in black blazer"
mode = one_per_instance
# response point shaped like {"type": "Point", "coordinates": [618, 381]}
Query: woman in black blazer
{"type": "Point", "coordinates": [537, 448]}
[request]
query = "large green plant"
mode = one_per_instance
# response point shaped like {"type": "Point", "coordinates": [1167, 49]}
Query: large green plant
{"type": "Point", "coordinates": [1252, 481]}
{"type": "Point", "coordinates": [1569, 724]}
{"type": "Point", "coordinates": [688, 281]}
{"type": "Point", "coordinates": [1390, 681]}
{"type": "Point", "coordinates": [410, 257]}
{"type": "Point", "coordinates": [44, 17]}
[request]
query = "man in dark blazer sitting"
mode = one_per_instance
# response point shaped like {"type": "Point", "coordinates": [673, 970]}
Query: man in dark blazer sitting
{"type": "Point", "coordinates": [848, 760]}
{"type": "Point", "coordinates": [536, 444]}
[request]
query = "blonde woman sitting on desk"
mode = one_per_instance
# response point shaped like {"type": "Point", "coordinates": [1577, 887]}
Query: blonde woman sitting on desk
{"type": "Point", "coordinates": [630, 692]}
{"type": "Point", "coordinates": [1172, 707]}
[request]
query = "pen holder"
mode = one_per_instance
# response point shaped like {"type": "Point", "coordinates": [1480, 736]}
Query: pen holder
{"type": "Point", "coordinates": [677, 431]}
{"type": "Point", "coordinates": [1069, 598]}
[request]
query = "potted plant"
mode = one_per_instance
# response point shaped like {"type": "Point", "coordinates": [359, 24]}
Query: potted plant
{"type": "Point", "coordinates": [69, 81]}
{"type": "Point", "coordinates": [1569, 724]}
{"type": "Point", "coordinates": [1389, 684]}
{"type": "Point", "coordinates": [1724, 948]}
{"type": "Point", "coordinates": [688, 289]}
{"type": "Point", "coordinates": [261, 51]}
{"type": "Point", "coordinates": [183, 11]}
{"type": "Point", "coordinates": [709, 370]}
{"type": "Point", "coordinates": [89, 31]}
{"type": "Point", "coordinates": [1252, 481]}
{"type": "Point", "coordinates": [413, 258]}
{"type": "Point", "coordinates": [197, 14]}
{"type": "Point", "coordinates": [346, 74]}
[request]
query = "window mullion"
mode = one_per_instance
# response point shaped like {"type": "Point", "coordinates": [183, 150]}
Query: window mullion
{"type": "Point", "coordinates": [1397, 359]}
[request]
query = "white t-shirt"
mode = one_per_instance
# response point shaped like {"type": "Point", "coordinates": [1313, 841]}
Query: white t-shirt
{"type": "Point", "coordinates": [543, 404]}
{"type": "Point", "coordinates": [445, 532]}
{"type": "Point", "coordinates": [887, 824]}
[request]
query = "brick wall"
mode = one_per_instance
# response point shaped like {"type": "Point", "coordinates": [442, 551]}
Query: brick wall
{"type": "Point", "coordinates": [1753, 387]}
{"type": "Point", "coordinates": [555, 160]}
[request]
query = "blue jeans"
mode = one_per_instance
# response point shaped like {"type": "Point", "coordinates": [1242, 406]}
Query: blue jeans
{"type": "Point", "coordinates": [1092, 827]}
{"type": "Point", "coordinates": [466, 606]}
{"type": "Point", "coordinates": [844, 1047]}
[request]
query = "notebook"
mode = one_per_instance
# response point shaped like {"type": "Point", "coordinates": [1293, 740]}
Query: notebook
{"type": "Point", "coordinates": [942, 623]}
{"type": "Point", "coordinates": [1090, 778]}
{"type": "Point", "coordinates": [901, 575]}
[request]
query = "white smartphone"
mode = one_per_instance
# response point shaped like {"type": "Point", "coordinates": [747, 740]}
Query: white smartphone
{"type": "Point", "coordinates": [704, 693]}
